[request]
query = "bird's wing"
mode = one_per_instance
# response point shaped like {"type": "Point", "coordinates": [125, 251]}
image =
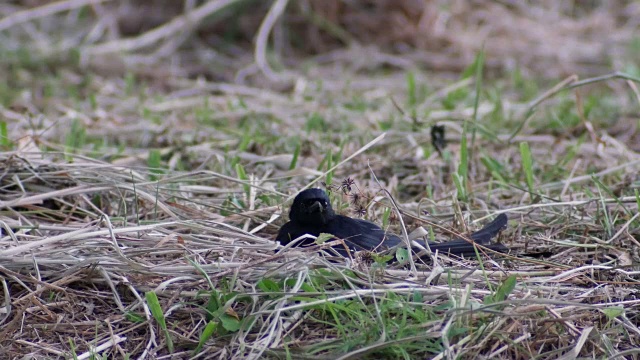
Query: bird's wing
{"type": "Point", "coordinates": [291, 231]}
{"type": "Point", "coordinates": [360, 234]}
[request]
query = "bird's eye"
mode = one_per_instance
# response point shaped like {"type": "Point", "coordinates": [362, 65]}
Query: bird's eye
{"type": "Point", "coordinates": [324, 202]}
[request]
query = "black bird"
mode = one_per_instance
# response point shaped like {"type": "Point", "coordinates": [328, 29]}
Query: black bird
{"type": "Point", "coordinates": [311, 213]}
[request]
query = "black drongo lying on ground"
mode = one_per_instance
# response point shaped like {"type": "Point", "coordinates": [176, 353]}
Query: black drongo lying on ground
{"type": "Point", "coordinates": [311, 213]}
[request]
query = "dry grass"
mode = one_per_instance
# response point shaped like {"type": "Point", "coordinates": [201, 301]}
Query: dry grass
{"type": "Point", "coordinates": [114, 187]}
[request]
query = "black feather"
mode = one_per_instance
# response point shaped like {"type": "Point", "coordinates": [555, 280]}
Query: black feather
{"type": "Point", "coordinates": [311, 213]}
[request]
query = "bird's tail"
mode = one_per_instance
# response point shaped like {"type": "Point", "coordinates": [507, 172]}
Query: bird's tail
{"type": "Point", "coordinates": [484, 235]}
{"type": "Point", "coordinates": [461, 247]}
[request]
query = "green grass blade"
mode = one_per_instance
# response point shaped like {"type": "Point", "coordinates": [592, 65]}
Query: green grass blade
{"type": "Point", "coordinates": [154, 161]}
{"type": "Point", "coordinates": [207, 333]}
{"type": "Point", "coordinates": [242, 175]}
{"type": "Point", "coordinates": [460, 178]}
{"type": "Point", "coordinates": [527, 165]}
{"type": "Point", "coordinates": [4, 136]}
{"type": "Point", "coordinates": [479, 65]}
{"type": "Point", "coordinates": [158, 315]}
{"type": "Point", "coordinates": [296, 154]}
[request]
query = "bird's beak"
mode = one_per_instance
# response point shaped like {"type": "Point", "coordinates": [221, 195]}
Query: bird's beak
{"type": "Point", "coordinates": [316, 207]}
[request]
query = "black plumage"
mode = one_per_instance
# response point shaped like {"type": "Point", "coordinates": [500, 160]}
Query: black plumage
{"type": "Point", "coordinates": [311, 213]}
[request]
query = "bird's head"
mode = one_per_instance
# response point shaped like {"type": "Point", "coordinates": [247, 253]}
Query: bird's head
{"type": "Point", "coordinates": [311, 207]}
